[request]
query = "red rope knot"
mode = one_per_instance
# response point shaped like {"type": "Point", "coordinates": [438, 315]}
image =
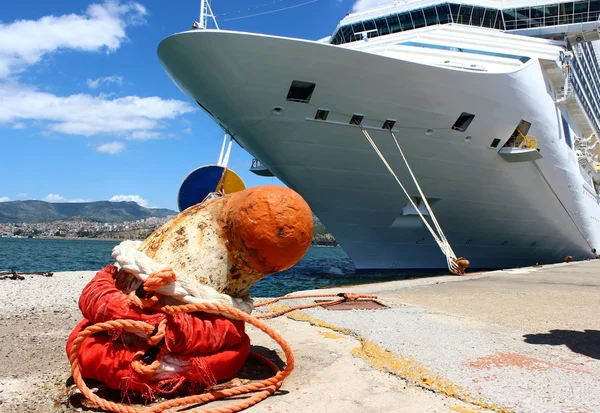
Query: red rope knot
{"type": "Point", "coordinates": [159, 278]}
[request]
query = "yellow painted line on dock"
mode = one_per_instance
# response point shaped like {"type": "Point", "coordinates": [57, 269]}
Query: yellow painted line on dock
{"type": "Point", "coordinates": [331, 334]}
{"type": "Point", "coordinates": [412, 371]}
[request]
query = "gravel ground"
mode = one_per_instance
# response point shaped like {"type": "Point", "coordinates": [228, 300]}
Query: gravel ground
{"type": "Point", "coordinates": [36, 316]}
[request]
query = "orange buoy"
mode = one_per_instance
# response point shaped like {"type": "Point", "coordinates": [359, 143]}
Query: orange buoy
{"type": "Point", "coordinates": [269, 227]}
{"type": "Point", "coordinates": [568, 258]}
{"type": "Point", "coordinates": [231, 242]}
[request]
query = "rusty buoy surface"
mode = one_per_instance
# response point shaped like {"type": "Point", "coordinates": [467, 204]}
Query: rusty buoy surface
{"type": "Point", "coordinates": [231, 242]}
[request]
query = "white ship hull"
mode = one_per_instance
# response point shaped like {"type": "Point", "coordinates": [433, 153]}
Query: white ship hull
{"type": "Point", "coordinates": [495, 213]}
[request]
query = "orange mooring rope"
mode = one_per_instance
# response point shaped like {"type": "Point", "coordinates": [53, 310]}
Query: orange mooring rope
{"type": "Point", "coordinates": [262, 389]}
{"type": "Point", "coordinates": [342, 297]}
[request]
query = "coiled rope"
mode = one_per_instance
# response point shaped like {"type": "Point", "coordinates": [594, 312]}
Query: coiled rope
{"type": "Point", "coordinates": [264, 387]}
{"type": "Point", "coordinates": [438, 234]}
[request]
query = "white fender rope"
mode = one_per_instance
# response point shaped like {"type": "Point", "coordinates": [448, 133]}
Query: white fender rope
{"type": "Point", "coordinates": [138, 264]}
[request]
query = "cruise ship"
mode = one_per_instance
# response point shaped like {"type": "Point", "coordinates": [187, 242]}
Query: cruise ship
{"type": "Point", "coordinates": [488, 110]}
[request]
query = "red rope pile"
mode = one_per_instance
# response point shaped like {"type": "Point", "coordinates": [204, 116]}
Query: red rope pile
{"type": "Point", "coordinates": [130, 342]}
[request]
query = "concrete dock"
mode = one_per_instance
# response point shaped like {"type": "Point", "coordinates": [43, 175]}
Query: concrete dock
{"type": "Point", "coordinates": [523, 340]}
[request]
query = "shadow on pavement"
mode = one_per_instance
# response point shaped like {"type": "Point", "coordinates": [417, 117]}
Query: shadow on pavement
{"type": "Point", "coordinates": [585, 342]}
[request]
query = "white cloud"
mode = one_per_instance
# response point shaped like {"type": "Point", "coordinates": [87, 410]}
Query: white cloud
{"type": "Point", "coordinates": [84, 114]}
{"type": "Point", "coordinates": [58, 198]}
{"type": "Point", "coordinates": [21, 195]}
{"type": "Point", "coordinates": [53, 198]}
{"type": "Point", "coordinates": [101, 28]}
{"type": "Point", "coordinates": [362, 5]}
{"type": "Point", "coordinates": [143, 135]}
{"type": "Point", "coordinates": [135, 198]}
{"type": "Point", "coordinates": [93, 84]}
{"type": "Point", "coordinates": [187, 130]}
{"type": "Point", "coordinates": [4, 199]}
{"type": "Point", "coordinates": [112, 148]}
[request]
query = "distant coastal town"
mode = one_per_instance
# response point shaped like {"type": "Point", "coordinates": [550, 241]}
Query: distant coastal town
{"type": "Point", "coordinates": [138, 229]}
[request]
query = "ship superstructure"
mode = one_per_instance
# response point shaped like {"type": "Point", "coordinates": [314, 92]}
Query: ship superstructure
{"type": "Point", "coordinates": [495, 105]}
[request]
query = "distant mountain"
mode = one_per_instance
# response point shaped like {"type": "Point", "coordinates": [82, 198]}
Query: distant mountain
{"type": "Point", "coordinates": [100, 211]}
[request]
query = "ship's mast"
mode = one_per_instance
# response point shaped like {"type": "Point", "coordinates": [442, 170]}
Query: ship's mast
{"type": "Point", "coordinates": [205, 14]}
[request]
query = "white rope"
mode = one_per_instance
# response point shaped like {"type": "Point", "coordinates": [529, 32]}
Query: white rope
{"type": "Point", "coordinates": [226, 158]}
{"type": "Point", "coordinates": [138, 264]}
{"type": "Point", "coordinates": [438, 236]}
{"type": "Point", "coordinates": [220, 161]}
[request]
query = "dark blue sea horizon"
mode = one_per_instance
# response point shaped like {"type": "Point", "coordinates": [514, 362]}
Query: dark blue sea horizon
{"type": "Point", "coordinates": [321, 267]}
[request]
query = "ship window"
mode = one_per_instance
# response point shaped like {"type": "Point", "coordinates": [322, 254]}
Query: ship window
{"type": "Point", "coordinates": [454, 8]}
{"type": "Point", "coordinates": [369, 25]}
{"type": "Point", "coordinates": [509, 19]}
{"type": "Point", "coordinates": [418, 18]}
{"type": "Point", "coordinates": [489, 18]}
{"type": "Point", "coordinates": [322, 114]}
{"type": "Point", "coordinates": [477, 16]}
{"type": "Point", "coordinates": [443, 11]}
{"type": "Point", "coordinates": [394, 23]}
{"type": "Point", "coordinates": [388, 124]}
{"type": "Point", "coordinates": [382, 26]}
{"type": "Point", "coordinates": [464, 16]}
{"type": "Point", "coordinates": [551, 14]}
{"type": "Point", "coordinates": [431, 17]}
{"type": "Point", "coordinates": [300, 91]}
{"type": "Point", "coordinates": [406, 21]}
{"type": "Point", "coordinates": [463, 122]}
{"type": "Point", "coordinates": [356, 119]}
{"type": "Point", "coordinates": [495, 143]}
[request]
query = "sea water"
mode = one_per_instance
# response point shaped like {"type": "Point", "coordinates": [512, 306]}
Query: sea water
{"type": "Point", "coordinates": [321, 267]}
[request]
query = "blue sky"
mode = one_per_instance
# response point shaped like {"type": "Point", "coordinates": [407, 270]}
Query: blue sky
{"type": "Point", "coordinates": [86, 110]}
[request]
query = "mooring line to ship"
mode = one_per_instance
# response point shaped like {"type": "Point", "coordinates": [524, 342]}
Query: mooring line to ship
{"type": "Point", "coordinates": [439, 237]}
{"type": "Point", "coordinates": [562, 205]}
